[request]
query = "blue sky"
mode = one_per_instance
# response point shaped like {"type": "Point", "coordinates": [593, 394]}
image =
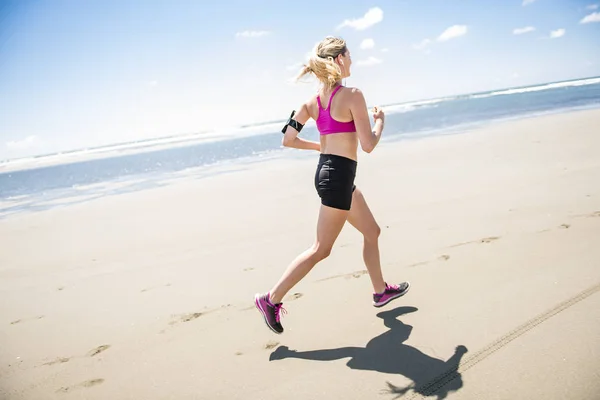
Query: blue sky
{"type": "Point", "coordinates": [84, 73]}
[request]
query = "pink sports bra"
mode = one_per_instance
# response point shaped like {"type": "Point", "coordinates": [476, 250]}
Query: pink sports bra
{"type": "Point", "coordinates": [325, 122]}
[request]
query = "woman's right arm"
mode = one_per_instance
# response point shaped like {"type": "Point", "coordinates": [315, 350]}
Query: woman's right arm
{"type": "Point", "coordinates": [291, 139]}
{"type": "Point", "coordinates": [369, 138]}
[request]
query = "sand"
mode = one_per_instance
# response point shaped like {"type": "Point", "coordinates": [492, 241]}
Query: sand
{"type": "Point", "coordinates": [149, 295]}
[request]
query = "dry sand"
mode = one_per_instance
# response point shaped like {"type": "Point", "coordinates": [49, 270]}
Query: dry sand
{"type": "Point", "coordinates": [149, 295]}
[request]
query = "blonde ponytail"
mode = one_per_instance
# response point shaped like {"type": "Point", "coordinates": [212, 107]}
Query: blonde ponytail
{"type": "Point", "coordinates": [321, 63]}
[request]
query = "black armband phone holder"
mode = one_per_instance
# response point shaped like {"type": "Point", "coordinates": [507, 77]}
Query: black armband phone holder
{"type": "Point", "coordinates": [293, 123]}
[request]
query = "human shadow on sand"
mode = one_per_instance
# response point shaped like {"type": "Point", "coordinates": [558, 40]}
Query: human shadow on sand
{"type": "Point", "coordinates": [388, 354]}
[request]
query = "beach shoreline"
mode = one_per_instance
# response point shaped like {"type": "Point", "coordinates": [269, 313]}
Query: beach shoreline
{"type": "Point", "coordinates": [46, 199]}
{"type": "Point", "coordinates": [396, 110]}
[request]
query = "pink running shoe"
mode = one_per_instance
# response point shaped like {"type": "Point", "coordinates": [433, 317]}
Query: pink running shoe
{"type": "Point", "coordinates": [390, 293]}
{"type": "Point", "coordinates": [269, 311]}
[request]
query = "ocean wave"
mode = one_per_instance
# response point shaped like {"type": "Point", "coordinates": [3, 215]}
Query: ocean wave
{"type": "Point", "coordinates": [414, 105]}
{"type": "Point", "coordinates": [431, 103]}
{"type": "Point", "coordinates": [537, 88]}
{"type": "Point", "coordinates": [105, 151]}
{"type": "Point", "coordinates": [123, 149]}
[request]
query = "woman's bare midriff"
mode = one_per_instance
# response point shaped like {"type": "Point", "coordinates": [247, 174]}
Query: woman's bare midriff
{"type": "Point", "coordinates": [341, 144]}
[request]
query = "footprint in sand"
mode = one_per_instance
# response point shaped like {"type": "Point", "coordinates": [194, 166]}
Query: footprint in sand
{"type": "Point", "coordinates": [562, 226]}
{"type": "Point", "coordinates": [59, 360]}
{"type": "Point", "coordinates": [239, 353]}
{"type": "Point", "coordinates": [188, 317]}
{"type": "Point", "coordinates": [271, 345]}
{"type": "Point", "coordinates": [356, 274]}
{"type": "Point", "coordinates": [18, 321]}
{"type": "Point", "coordinates": [294, 296]}
{"type": "Point", "coordinates": [489, 239]}
{"type": "Point", "coordinates": [155, 287]}
{"type": "Point", "coordinates": [92, 353]}
{"type": "Point", "coordinates": [591, 215]}
{"type": "Point", "coordinates": [98, 350]}
{"type": "Point", "coordinates": [192, 316]}
{"type": "Point", "coordinates": [418, 264]}
{"type": "Point", "coordinates": [443, 257]}
{"type": "Point", "coordinates": [86, 384]}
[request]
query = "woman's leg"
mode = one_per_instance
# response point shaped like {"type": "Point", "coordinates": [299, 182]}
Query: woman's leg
{"type": "Point", "coordinates": [329, 225]}
{"type": "Point", "coordinates": [362, 219]}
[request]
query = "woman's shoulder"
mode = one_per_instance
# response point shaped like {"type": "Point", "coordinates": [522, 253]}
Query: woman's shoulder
{"type": "Point", "coordinates": [353, 95]}
{"type": "Point", "coordinates": [311, 102]}
{"type": "Point", "coordinates": [353, 90]}
{"type": "Point", "coordinates": [311, 107]}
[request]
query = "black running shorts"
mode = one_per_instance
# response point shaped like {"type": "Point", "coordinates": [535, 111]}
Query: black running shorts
{"type": "Point", "coordinates": [334, 180]}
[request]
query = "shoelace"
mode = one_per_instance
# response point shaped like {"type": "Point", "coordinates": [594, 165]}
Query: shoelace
{"type": "Point", "coordinates": [393, 287]}
{"type": "Point", "coordinates": [279, 308]}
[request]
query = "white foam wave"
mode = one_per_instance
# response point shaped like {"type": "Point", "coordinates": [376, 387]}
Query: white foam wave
{"type": "Point", "coordinates": [408, 107]}
{"type": "Point", "coordinates": [528, 89]}
{"type": "Point", "coordinates": [136, 147]}
{"type": "Point", "coordinates": [146, 145]}
{"type": "Point", "coordinates": [431, 103]}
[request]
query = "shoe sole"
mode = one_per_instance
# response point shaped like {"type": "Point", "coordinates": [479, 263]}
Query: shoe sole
{"type": "Point", "coordinates": [393, 297]}
{"type": "Point", "coordinates": [263, 313]}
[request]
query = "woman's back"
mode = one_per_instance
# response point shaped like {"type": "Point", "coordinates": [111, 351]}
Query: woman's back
{"type": "Point", "coordinates": [331, 111]}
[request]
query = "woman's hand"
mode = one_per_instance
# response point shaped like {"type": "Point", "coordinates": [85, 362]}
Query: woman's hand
{"type": "Point", "coordinates": [378, 114]}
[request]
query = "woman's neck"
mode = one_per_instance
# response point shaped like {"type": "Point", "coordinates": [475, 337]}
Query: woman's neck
{"type": "Point", "coordinates": [330, 89]}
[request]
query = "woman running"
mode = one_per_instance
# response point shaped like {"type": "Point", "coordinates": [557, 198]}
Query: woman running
{"type": "Point", "coordinates": [343, 122]}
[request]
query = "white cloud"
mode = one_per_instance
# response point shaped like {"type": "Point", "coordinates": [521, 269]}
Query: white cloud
{"type": "Point", "coordinates": [557, 33]}
{"type": "Point", "coordinates": [422, 44]}
{"type": "Point", "coordinates": [453, 32]}
{"type": "Point", "coordinates": [592, 7]}
{"type": "Point", "coordinates": [252, 34]}
{"type": "Point", "coordinates": [367, 44]}
{"type": "Point", "coordinates": [371, 17]}
{"type": "Point", "coordinates": [385, 50]}
{"type": "Point", "coordinates": [593, 17]}
{"type": "Point", "coordinates": [520, 31]}
{"type": "Point", "coordinates": [369, 61]}
{"type": "Point", "coordinates": [527, 2]}
{"type": "Point", "coordinates": [28, 142]}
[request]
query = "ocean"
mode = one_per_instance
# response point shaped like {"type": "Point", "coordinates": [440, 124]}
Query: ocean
{"type": "Point", "coordinates": [55, 180]}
